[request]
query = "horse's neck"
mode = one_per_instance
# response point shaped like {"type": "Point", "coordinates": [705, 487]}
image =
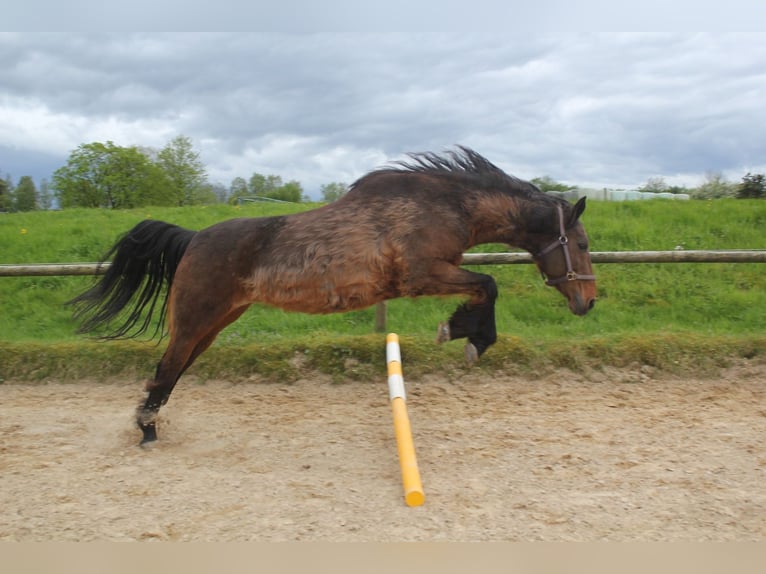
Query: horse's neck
{"type": "Point", "coordinates": [499, 219]}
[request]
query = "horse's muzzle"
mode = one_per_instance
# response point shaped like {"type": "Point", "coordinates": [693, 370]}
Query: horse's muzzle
{"type": "Point", "coordinates": [580, 306]}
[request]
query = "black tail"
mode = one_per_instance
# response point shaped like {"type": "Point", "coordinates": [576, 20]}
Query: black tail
{"type": "Point", "coordinates": [144, 258]}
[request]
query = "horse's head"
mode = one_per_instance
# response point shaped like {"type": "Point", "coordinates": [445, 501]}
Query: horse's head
{"type": "Point", "coordinates": [561, 253]}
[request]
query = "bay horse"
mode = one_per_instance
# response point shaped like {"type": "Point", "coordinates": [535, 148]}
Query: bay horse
{"type": "Point", "coordinates": [400, 231]}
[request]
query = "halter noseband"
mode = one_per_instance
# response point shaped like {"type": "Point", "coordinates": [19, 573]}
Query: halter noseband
{"type": "Point", "coordinates": [563, 241]}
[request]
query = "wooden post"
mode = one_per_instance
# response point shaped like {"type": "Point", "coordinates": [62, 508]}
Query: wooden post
{"type": "Point", "coordinates": [381, 310]}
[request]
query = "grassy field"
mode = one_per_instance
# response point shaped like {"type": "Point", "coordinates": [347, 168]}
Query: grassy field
{"type": "Point", "coordinates": [664, 314]}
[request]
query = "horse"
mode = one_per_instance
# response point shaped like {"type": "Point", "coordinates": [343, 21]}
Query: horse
{"type": "Point", "coordinates": [399, 231]}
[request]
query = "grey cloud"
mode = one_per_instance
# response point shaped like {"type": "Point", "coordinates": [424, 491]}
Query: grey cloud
{"type": "Point", "coordinates": [582, 108]}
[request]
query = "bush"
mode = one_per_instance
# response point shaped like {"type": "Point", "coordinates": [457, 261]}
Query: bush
{"type": "Point", "coordinates": [752, 187]}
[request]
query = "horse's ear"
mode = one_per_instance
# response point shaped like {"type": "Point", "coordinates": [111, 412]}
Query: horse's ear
{"type": "Point", "coordinates": [577, 211]}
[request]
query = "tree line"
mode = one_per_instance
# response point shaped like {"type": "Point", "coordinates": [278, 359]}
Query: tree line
{"type": "Point", "coordinates": [106, 175]}
{"type": "Point", "coordinates": [715, 186]}
{"type": "Point", "coordinates": [109, 176]}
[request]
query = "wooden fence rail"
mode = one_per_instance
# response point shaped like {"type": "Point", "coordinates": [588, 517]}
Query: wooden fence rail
{"type": "Point", "coordinates": [681, 256]}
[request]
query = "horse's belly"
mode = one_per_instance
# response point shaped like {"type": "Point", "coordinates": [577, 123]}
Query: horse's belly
{"type": "Point", "coordinates": [316, 295]}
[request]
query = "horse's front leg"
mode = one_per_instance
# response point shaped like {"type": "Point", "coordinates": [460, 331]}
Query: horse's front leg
{"type": "Point", "coordinates": [474, 319]}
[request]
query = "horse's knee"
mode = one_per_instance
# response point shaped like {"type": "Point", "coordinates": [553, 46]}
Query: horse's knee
{"type": "Point", "coordinates": [490, 290]}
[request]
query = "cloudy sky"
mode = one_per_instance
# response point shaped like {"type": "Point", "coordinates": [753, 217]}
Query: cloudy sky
{"type": "Point", "coordinates": [589, 109]}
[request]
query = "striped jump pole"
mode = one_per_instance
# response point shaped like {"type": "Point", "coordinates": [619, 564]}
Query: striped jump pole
{"type": "Point", "coordinates": [413, 489]}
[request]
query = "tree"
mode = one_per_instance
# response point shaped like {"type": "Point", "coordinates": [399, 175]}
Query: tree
{"type": "Point", "coordinates": [547, 183]}
{"type": "Point", "coordinates": [715, 187]}
{"type": "Point", "coordinates": [45, 197]}
{"type": "Point", "coordinates": [332, 191]}
{"type": "Point", "coordinates": [25, 195]}
{"type": "Point", "coordinates": [182, 166]}
{"type": "Point", "coordinates": [291, 191]}
{"type": "Point", "coordinates": [659, 185]}
{"type": "Point", "coordinates": [753, 186]}
{"type": "Point", "coordinates": [6, 197]}
{"type": "Point", "coordinates": [106, 175]}
{"type": "Point", "coordinates": [271, 187]}
{"type": "Point", "coordinates": [263, 185]}
{"type": "Point", "coordinates": [219, 192]}
{"type": "Point", "coordinates": [654, 185]}
{"type": "Point", "coordinates": [237, 189]}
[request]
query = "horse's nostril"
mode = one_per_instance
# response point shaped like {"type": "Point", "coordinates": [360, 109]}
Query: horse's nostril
{"type": "Point", "coordinates": [591, 304]}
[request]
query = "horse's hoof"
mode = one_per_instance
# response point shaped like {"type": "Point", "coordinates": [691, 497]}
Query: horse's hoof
{"type": "Point", "coordinates": [442, 332]}
{"type": "Point", "coordinates": [471, 354]}
{"type": "Point", "coordinates": [150, 435]}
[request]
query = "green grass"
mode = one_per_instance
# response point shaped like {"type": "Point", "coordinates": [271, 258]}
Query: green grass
{"type": "Point", "coordinates": [719, 309]}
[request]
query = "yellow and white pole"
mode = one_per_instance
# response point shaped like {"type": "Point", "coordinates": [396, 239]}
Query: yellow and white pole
{"type": "Point", "coordinates": [413, 489]}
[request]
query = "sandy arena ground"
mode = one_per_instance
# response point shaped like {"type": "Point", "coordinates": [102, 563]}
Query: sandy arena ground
{"type": "Point", "coordinates": [617, 455]}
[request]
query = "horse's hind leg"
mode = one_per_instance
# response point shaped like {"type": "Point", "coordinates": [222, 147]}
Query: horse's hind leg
{"type": "Point", "coordinates": [169, 370]}
{"type": "Point", "coordinates": [184, 348]}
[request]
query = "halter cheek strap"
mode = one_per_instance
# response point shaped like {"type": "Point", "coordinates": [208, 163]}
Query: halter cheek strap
{"type": "Point", "coordinates": [563, 242]}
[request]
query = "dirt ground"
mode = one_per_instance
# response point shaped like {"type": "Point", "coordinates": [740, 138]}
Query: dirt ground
{"type": "Point", "coordinates": [614, 455]}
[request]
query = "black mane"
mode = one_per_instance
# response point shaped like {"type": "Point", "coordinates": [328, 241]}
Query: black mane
{"type": "Point", "coordinates": [464, 163]}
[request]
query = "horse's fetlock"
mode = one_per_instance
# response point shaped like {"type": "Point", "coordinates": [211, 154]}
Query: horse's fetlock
{"type": "Point", "coordinates": [146, 417]}
{"type": "Point", "coordinates": [471, 354]}
{"type": "Point", "coordinates": [443, 333]}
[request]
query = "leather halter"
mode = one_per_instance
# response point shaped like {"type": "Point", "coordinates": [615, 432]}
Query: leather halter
{"type": "Point", "coordinates": [563, 241]}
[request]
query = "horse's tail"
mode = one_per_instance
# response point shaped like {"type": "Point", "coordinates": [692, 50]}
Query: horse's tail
{"type": "Point", "coordinates": [143, 260]}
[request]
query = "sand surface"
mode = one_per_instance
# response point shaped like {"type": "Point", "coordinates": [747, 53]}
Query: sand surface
{"type": "Point", "coordinates": [615, 455]}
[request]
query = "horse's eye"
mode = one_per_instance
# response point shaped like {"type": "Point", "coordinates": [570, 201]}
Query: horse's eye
{"type": "Point", "coordinates": [582, 245]}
